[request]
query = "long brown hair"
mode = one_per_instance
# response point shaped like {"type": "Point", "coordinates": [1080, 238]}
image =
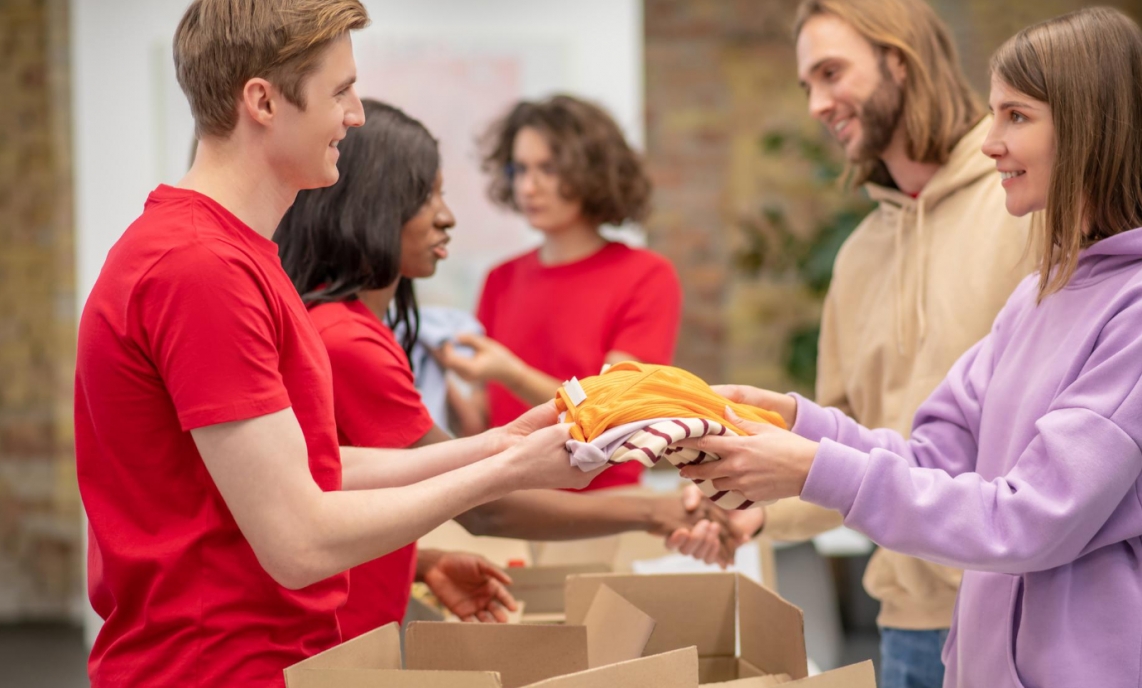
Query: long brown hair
{"type": "Point", "coordinates": [1087, 67]}
{"type": "Point", "coordinates": [939, 104]}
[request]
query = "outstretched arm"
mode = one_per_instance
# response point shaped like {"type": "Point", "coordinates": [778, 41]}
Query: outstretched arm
{"type": "Point", "coordinates": [301, 534]}
{"type": "Point", "coordinates": [1081, 465]}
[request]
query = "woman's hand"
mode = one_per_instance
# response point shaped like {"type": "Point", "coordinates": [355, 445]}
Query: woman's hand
{"type": "Point", "coordinates": [784, 405]}
{"type": "Point", "coordinates": [541, 461]}
{"type": "Point", "coordinates": [469, 585]}
{"type": "Point", "coordinates": [490, 360]}
{"type": "Point", "coordinates": [765, 464]}
{"type": "Point", "coordinates": [533, 420]}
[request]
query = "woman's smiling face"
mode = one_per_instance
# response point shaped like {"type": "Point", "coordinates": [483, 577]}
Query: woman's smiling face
{"type": "Point", "coordinates": [1022, 143]}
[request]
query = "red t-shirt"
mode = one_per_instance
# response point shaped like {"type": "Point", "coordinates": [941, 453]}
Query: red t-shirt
{"type": "Point", "coordinates": [191, 323]}
{"type": "Point", "coordinates": [564, 319]}
{"type": "Point", "coordinates": [376, 405]}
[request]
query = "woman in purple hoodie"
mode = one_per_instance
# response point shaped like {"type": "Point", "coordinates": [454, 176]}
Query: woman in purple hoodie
{"type": "Point", "coordinates": [1024, 465]}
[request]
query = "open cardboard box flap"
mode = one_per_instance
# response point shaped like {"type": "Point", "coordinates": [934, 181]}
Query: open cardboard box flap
{"type": "Point", "coordinates": [703, 610]}
{"type": "Point", "coordinates": [475, 655]}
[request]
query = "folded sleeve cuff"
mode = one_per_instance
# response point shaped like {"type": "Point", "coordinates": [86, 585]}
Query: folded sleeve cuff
{"type": "Point", "coordinates": [835, 476]}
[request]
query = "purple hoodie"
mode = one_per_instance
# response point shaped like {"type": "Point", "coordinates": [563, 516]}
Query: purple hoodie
{"type": "Point", "coordinates": [1024, 469]}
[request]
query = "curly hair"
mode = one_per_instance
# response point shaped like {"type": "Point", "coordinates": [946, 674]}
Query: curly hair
{"type": "Point", "coordinates": [594, 162]}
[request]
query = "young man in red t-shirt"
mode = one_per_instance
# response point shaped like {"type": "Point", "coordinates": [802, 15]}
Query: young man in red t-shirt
{"type": "Point", "coordinates": [222, 510]}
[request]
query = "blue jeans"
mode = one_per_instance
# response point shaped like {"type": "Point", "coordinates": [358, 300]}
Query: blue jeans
{"type": "Point", "coordinates": [911, 659]}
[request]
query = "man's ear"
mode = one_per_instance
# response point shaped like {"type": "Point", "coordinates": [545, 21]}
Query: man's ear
{"type": "Point", "coordinates": [894, 61]}
{"type": "Point", "coordinates": [260, 100]}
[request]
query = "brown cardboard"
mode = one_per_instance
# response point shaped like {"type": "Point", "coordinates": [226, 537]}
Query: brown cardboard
{"type": "Point", "coordinates": [772, 631]}
{"type": "Point", "coordinates": [861, 675]}
{"type": "Point", "coordinates": [677, 669]}
{"type": "Point", "coordinates": [541, 588]}
{"type": "Point", "coordinates": [373, 660]}
{"type": "Point", "coordinates": [756, 682]}
{"type": "Point", "coordinates": [689, 609]}
{"type": "Point", "coordinates": [372, 678]}
{"type": "Point", "coordinates": [520, 654]}
{"type": "Point", "coordinates": [379, 649]}
{"type": "Point", "coordinates": [616, 629]}
{"type": "Point", "coordinates": [719, 669]}
{"type": "Point", "coordinates": [494, 655]}
{"type": "Point", "coordinates": [705, 610]}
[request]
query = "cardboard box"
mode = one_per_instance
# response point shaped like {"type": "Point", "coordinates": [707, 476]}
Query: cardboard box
{"type": "Point", "coordinates": [539, 584]}
{"type": "Point", "coordinates": [861, 675]}
{"type": "Point", "coordinates": [605, 650]}
{"type": "Point", "coordinates": [710, 611]}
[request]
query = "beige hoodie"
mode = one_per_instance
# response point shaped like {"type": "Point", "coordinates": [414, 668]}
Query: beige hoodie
{"type": "Point", "coordinates": [917, 284]}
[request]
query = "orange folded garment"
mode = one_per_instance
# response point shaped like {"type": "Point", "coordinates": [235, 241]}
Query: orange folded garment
{"type": "Point", "coordinates": [628, 392]}
{"type": "Point", "coordinates": [640, 412]}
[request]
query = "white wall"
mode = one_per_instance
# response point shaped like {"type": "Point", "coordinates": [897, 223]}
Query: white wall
{"type": "Point", "coordinates": [133, 128]}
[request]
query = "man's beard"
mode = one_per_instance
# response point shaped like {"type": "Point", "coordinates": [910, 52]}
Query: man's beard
{"type": "Point", "coordinates": [879, 116]}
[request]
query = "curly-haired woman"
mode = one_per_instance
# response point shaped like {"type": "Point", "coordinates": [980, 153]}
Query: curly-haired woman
{"type": "Point", "coordinates": [579, 300]}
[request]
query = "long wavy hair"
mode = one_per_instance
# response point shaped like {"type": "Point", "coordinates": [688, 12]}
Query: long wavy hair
{"type": "Point", "coordinates": [337, 241]}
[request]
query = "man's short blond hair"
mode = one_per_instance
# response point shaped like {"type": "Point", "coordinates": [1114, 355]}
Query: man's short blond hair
{"type": "Point", "coordinates": [222, 44]}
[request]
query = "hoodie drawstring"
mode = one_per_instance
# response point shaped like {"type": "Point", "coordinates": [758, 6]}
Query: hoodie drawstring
{"type": "Point", "coordinates": [898, 255]}
{"type": "Point", "coordinates": [921, 269]}
{"type": "Point", "coordinates": [920, 254]}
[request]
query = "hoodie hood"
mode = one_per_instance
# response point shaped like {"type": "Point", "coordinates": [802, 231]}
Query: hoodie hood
{"type": "Point", "coordinates": [1107, 256]}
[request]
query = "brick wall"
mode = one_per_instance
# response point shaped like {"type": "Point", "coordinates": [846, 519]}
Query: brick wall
{"type": "Point", "coordinates": [720, 75]}
{"type": "Point", "coordinates": [39, 504]}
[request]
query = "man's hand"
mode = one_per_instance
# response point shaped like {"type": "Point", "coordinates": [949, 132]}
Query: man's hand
{"type": "Point", "coordinates": [784, 405]}
{"type": "Point", "coordinates": [490, 360]}
{"type": "Point", "coordinates": [470, 586]}
{"type": "Point", "coordinates": [732, 529]}
{"type": "Point", "coordinates": [695, 526]}
{"type": "Point", "coordinates": [668, 513]}
{"type": "Point", "coordinates": [765, 464]}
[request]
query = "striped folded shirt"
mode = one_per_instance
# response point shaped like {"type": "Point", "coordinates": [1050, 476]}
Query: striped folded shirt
{"type": "Point", "coordinates": [648, 442]}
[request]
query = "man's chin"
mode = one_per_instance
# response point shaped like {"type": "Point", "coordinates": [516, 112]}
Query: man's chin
{"type": "Point", "coordinates": [856, 153]}
{"type": "Point", "coordinates": [326, 180]}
